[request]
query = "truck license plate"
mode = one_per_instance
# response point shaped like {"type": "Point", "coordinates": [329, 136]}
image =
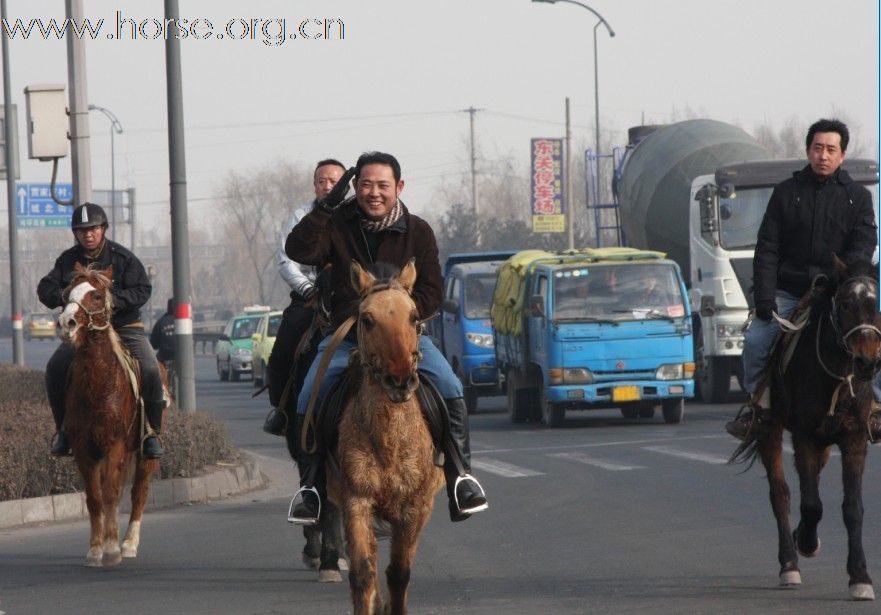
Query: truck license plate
{"type": "Point", "coordinates": [628, 393]}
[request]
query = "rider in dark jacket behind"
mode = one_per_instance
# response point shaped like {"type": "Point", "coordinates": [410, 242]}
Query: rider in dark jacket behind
{"type": "Point", "coordinates": [818, 212]}
{"type": "Point", "coordinates": [162, 335]}
{"type": "Point", "coordinates": [131, 290]}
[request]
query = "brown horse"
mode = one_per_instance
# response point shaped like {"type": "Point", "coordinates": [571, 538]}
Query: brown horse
{"type": "Point", "coordinates": [101, 418]}
{"type": "Point", "coordinates": [383, 469]}
{"type": "Point", "coordinates": [824, 398]}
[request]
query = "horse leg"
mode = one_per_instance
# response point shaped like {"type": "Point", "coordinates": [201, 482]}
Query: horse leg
{"type": "Point", "coordinates": [771, 451]}
{"type": "Point", "coordinates": [363, 584]}
{"type": "Point", "coordinates": [144, 468]}
{"type": "Point", "coordinates": [809, 460]}
{"type": "Point", "coordinates": [405, 539]}
{"type": "Point", "coordinates": [312, 548]}
{"type": "Point", "coordinates": [91, 473]}
{"type": "Point", "coordinates": [111, 493]}
{"type": "Point", "coordinates": [853, 462]}
{"type": "Point", "coordinates": [329, 570]}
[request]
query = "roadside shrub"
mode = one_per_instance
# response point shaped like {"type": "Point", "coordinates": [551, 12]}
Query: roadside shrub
{"type": "Point", "coordinates": [191, 441]}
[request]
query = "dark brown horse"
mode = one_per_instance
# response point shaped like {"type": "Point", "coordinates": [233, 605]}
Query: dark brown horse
{"type": "Point", "coordinates": [101, 418]}
{"type": "Point", "coordinates": [824, 398]}
{"type": "Point", "coordinates": [383, 469]}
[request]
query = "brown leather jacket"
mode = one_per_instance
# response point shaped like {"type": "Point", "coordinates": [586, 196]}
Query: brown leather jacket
{"type": "Point", "coordinates": [322, 238]}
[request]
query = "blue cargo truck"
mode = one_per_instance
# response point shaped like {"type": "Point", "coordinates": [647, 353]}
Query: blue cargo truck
{"type": "Point", "coordinates": [464, 330]}
{"type": "Point", "coordinates": [594, 328]}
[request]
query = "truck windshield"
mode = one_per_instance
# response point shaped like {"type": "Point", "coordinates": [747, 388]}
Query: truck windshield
{"type": "Point", "coordinates": [741, 216]}
{"type": "Point", "coordinates": [617, 292]}
{"type": "Point", "coordinates": [479, 295]}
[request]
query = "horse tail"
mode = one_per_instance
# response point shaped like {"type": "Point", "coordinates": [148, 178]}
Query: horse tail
{"type": "Point", "coordinates": [747, 452]}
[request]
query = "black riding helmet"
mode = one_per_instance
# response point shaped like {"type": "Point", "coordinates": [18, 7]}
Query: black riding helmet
{"type": "Point", "coordinates": [88, 215]}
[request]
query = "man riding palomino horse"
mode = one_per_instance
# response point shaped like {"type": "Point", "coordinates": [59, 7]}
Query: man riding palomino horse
{"type": "Point", "coordinates": [131, 290]}
{"type": "Point", "coordinates": [376, 227]}
{"type": "Point", "coordinates": [818, 212]}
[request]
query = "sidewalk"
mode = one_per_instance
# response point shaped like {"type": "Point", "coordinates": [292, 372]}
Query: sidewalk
{"type": "Point", "coordinates": [219, 481]}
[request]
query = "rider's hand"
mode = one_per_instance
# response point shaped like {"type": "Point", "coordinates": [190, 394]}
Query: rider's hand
{"type": "Point", "coordinates": [765, 308]}
{"type": "Point", "coordinates": [338, 193]}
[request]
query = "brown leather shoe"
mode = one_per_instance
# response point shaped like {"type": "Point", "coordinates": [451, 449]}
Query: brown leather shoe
{"type": "Point", "coordinates": [751, 420]}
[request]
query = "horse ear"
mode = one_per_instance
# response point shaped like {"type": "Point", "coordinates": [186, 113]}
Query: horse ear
{"type": "Point", "coordinates": [361, 279]}
{"type": "Point", "coordinates": [839, 265]}
{"type": "Point", "coordinates": [407, 277]}
{"type": "Point", "coordinates": [77, 267]}
{"type": "Point", "coordinates": [108, 272]}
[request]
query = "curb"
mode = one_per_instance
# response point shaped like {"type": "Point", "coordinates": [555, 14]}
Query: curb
{"type": "Point", "coordinates": [222, 481]}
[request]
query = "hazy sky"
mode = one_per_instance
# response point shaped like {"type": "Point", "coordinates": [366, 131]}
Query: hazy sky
{"type": "Point", "coordinates": [407, 68]}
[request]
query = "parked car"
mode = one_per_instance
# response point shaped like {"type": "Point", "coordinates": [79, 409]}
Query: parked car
{"type": "Point", "coordinates": [41, 326]}
{"type": "Point", "coordinates": [264, 340]}
{"type": "Point", "coordinates": [233, 349]}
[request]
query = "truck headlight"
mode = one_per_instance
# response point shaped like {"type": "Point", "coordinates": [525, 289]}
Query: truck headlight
{"type": "Point", "coordinates": [723, 331]}
{"type": "Point", "coordinates": [570, 375]}
{"type": "Point", "coordinates": [484, 340]}
{"type": "Point", "coordinates": [670, 371]}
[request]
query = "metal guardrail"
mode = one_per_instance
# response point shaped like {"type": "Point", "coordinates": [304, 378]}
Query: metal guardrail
{"type": "Point", "coordinates": [207, 333]}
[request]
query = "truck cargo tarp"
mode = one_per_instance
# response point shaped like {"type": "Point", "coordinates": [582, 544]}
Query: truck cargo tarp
{"type": "Point", "coordinates": [510, 298]}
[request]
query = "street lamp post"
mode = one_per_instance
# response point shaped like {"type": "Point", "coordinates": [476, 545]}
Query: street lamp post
{"type": "Point", "coordinates": [115, 128]}
{"type": "Point", "coordinates": [596, 82]}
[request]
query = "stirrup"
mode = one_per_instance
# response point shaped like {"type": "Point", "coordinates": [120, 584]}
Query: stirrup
{"type": "Point", "coordinates": [473, 509]}
{"type": "Point", "coordinates": [876, 413]}
{"type": "Point", "coordinates": [302, 520]}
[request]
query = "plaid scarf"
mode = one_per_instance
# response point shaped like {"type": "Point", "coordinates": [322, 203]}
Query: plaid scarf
{"type": "Point", "coordinates": [377, 226]}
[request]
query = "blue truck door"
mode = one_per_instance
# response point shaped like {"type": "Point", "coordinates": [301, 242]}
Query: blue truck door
{"type": "Point", "coordinates": [452, 328]}
{"type": "Point", "coordinates": [538, 329]}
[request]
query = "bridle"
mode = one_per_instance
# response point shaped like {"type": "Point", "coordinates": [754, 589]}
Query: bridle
{"type": "Point", "coordinates": [367, 359]}
{"type": "Point", "coordinates": [834, 315]}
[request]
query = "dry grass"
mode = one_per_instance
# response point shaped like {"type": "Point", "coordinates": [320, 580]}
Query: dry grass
{"type": "Point", "coordinates": [191, 441]}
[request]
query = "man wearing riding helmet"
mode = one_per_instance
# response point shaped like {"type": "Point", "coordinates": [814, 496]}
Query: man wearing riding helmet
{"type": "Point", "coordinates": [131, 290]}
{"type": "Point", "coordinates": [376, 227]}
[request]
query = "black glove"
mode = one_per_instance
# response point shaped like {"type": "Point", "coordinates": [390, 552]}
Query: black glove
{"type": "Point", "coordinates": [764, 309]}
{"type": "Point", "coordinates": [338, 193]}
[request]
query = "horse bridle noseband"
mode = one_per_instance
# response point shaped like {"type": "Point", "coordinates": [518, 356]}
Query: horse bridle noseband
{"type": "Point", "coordinates": [90, 313]}
{"type": "Point", "coordinates": [833, 316]}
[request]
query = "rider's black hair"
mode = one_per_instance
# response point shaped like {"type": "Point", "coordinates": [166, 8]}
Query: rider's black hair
{"type": "Point", "coordinates": [378, 158]}
{"type": "Point", "coordinates": [829, 126]}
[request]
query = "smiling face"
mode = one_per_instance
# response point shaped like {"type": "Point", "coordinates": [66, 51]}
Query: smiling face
{"type": "Point", "coordinates": [825, 154]}
{"type": "Point", "coordinates": [377, 191]}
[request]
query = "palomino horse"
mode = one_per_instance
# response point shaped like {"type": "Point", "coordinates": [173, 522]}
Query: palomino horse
{"type": "Point", "coordinates": [824, 398]}
{"type": "Point", "coordinates": [101, 418]}
{"type": "Point", "coordinates": [382, 469]}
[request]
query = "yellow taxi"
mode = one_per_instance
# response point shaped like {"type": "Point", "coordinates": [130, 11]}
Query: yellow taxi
{"type": "Point", "coordinates": [40, 326]}
{"type": "Point", "coordinates": [263, 341]}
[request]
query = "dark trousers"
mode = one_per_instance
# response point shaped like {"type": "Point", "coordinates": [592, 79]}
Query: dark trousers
{"type": "Point", "coordinates": [295, 322]}
{"type": "Point", "coordinates": [135, 339]}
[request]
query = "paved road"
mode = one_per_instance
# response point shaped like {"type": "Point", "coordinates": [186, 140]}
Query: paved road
{"type": "Point", "coordinates": [605, 515]}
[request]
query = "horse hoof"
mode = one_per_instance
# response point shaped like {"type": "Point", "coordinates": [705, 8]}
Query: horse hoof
{"type": "Point", "coordinates": [862, 591]}
{"type": "Point", "coordinates": [93, 558]}
{"type": "Point", "coordinates": [329, 576]}
{"type": "Point", "coordinates": [129, 551]}
{"type": "Point", "coordinates": [813, 553]}
{"type": "Point", "coordinates": [311, 562]}
{"type": "Point", "coordinates": [791, 578]}
{"type": "Point", "coordinates": [343, 563]}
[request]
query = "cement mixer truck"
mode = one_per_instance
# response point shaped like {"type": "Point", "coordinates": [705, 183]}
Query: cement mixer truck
{"type": "Point", "coordinates": [698, 190]}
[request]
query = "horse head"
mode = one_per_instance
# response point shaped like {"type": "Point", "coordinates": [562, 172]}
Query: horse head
{"type": "Point", "coordinates": [89, 302]}
{"type": "Point", "coordinates": [855, 315]}
{"type": "Point", "coordinates": [388, 329]}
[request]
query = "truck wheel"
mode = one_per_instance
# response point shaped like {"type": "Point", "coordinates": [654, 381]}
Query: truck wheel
{"type": "Point", "coordinates": [516, 409]}
{"type": "Point", "coordinates": [552, 414]}
{"type": "Point", "coordinates": [713, 378]}
{"type": "Point", "coordinates": [647, 411]}
{"type": "Point", "coordinates": [470, 399]}
{"type": "Point", "coordinates": [674, 410]}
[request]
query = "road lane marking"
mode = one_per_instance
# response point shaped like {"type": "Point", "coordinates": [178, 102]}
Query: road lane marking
{"type": "Point", "coordinates": [494, 466]}
{"type": "Point", "coordinates": [594, 461]}
{"type": "Point", "coordinates": [595, 444]}
{"type": "Point", "coordinates": [676, 452]}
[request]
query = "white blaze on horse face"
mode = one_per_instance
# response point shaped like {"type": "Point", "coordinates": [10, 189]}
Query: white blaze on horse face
{"type": "Point", "coordinates": [73, 300]}
{"type": "Point", "coordinates": [861, 289]}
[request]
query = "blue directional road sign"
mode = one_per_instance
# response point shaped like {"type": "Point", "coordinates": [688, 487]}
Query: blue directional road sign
{"type": "Point", "coordinates": [35, 207]}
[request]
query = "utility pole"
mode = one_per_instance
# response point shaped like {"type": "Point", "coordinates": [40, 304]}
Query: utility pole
{"type": "Point", "coordinates": [471, 112]}
{"type": "Point", "coordinates": [570, 209]}
{"type": "Point", "coordinates": [80, 161]}
{"type": "Point", "coordinates": [11, 172]}
{"type": "Point", "coordinates": [180, 246]}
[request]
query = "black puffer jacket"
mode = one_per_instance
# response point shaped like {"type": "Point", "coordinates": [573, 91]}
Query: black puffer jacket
{"type": "Point", "coordinates": [131, 286]}
{"type": "Point", "coordinates": [808, 220]}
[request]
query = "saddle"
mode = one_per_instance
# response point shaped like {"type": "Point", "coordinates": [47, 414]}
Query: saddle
{"type": "Point", "coordinates": [330, 411]}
